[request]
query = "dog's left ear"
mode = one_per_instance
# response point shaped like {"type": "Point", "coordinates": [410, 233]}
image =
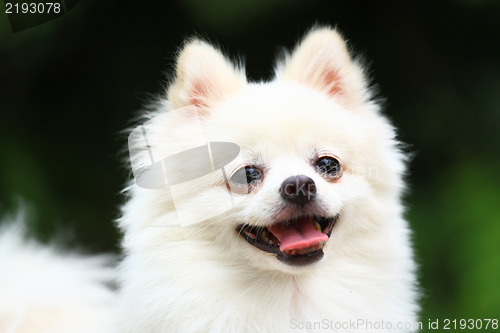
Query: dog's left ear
{"type": "Point", "coordinates": [321, 61]}
{"type": "Point", "coordinates": [204, 77]}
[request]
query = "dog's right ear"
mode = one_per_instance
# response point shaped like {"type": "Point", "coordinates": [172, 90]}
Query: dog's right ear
{"type": "Point", "coordinates": [204, 77]}
{"type": "Point", "coordinates": [321, 61]}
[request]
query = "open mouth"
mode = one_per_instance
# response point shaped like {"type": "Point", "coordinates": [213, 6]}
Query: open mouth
{"type": "Point", "coordinates": [296, 242]}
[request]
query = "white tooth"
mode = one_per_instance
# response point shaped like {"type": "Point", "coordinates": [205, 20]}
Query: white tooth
{"type": "Point", "coordinates": [249, 234]}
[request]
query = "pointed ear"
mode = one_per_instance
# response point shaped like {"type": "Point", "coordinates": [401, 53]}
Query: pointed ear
{"type": "Point", "coordinates": [204, 77]}
{"type": "Point", "coordinates": [321, 61]}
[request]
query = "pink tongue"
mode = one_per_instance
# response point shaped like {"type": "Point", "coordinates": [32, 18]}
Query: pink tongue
{"type": "Point", "coordinates": [299, 235]}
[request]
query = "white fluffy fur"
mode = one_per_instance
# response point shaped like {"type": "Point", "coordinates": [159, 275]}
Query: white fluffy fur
{"type": "Point", "coordinates": [43, 290]}
{"type": "Point", "coordinates": [206, 278]}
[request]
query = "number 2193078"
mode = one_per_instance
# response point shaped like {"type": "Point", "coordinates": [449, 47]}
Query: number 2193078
{"type": "Point", "coordinates": [471, 324]}
{"type": "Point", "coordinates": [33, 8]}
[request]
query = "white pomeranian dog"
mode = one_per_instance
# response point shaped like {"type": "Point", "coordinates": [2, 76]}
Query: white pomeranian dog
{"type": "Point", "coordinates": [266, 207]}
{"type": "Point", "coordinates": [312, 236]}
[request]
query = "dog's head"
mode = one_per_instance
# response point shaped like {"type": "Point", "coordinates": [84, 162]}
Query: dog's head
{"type": "Point", "coordinates": [317, 164]}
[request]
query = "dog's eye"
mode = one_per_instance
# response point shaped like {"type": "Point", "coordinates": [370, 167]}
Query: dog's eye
{"type": "Point", "coordinates": [246, 175]}
{"type": "Point", "coordinates": [329, 166]}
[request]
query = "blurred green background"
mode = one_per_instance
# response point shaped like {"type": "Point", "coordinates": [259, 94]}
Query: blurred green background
{"type": "Point", "coordinates": [69, 87]}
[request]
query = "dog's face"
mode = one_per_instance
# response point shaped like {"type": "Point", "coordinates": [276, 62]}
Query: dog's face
{"type": "Point", "coordinates": [294, 173]}
{"type": "Point", "coordinates": [316, 162]}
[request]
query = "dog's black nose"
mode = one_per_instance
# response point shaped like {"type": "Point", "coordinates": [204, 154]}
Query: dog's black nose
{"type": "Point", "coordinates": [298, 189]}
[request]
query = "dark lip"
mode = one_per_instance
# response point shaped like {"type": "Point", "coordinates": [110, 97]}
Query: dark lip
{"type": "Point", "coordinates": [252, 235]}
